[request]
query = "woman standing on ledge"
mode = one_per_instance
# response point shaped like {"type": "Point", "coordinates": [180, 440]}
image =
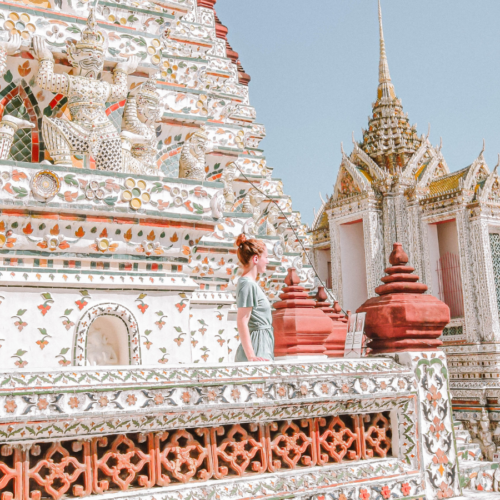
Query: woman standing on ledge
{"type": "Point", "coordinates": [255, 322]}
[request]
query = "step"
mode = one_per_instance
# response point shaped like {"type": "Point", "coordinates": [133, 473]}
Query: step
{"type": "Point", "coordinates": [463, 436]}
{"type": "Point", "coordinates": [477, 476]}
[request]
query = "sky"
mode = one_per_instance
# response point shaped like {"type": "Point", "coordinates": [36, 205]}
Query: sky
{"type": "Point", "coordinates": [314, 69]}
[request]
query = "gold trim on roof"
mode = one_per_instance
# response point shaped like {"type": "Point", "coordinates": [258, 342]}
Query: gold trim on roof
{"type": "Point", "coordinates": [447, 182]}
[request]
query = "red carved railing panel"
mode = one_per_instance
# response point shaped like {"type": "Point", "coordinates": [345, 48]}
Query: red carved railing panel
{"type": "Point", "coordinates": [119, 462]}
{"type": "Point", "coordinates": [377, 435]}
{"type": "Point", "coordinates": [339, 438]}
{"type": "Point", "coordinates": [126, 461]}
{"type": "Point", "coordinates": [287, 444]}
{"type": "Point", "coordinates": [182, 457]}
{"type": "Point", "coordinates": [63, 467]}
{"type": "Point", "coordinates": [235, 453]}
{"type": "Point", "coordinates": [11, 469]}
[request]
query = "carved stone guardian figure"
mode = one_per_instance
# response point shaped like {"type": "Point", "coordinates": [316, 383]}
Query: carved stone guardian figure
{"type": "Point", "coordinates": [9, 124]}
{"type": "Point", "coordinates": [99, 351]}
{"type": "Point", "coordinates": [89, 131]}
{"type": "Point", "coordinates": [251, 203]}
{"type": "Point", "coordinates": [138, 129]}
{"type": "Point", "coordinates": [272, 217]}
{"type": "Point", "coordinates": [192, 162]}
{"type": "Point", "coordinates": [485, 436]}
{"type": "Point", "coordinates": [228, 175]}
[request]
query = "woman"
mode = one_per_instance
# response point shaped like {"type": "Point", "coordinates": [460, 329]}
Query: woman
{"type": "Point", "coordinates": [254, 310]}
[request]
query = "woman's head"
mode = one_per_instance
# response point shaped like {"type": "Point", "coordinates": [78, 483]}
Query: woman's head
{"type": "Point", "coordinates": [252, 252]}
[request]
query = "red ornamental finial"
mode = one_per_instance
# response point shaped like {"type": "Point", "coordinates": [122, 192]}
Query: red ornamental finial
{"type": "Point", "coordinates": [292, 278]}
{"type": "Point", "coordinates": [402, 318]}
{"type": "Point", "coordinates": [401, 278]}
{"type": "Point", "coordinates": [321, 296]}
{"type": "Point", "coordinates": [300, 327]}
{"type": "Point", "coordinates": [398, 256]}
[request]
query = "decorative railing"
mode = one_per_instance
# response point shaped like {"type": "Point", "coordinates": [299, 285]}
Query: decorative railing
{"type": "Point", "coordinates": [110, 463]}
{"type": "Point", "coordinates": [259, 430]}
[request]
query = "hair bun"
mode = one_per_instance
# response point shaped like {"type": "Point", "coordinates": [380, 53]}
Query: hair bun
{"type": "Point", "coordinates": [240, 240]}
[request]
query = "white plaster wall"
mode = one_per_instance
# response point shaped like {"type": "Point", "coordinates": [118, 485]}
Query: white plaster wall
{"type": "Point", "coordinates": [24, 306]}
{"type": "Point", "coordinates": [433, 242]}
{"type": "Point", "coordinates": [352, 248]}
{"type": "Point", "coordinates": [322, 258]}
{"type": "Point", "coordinates": [214, 336]}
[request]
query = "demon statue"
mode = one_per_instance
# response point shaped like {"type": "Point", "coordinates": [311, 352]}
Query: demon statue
{"type": "Point", "coordinates": [192, 162]}
{"type": "Point", "coordinates": [142, 110]}
{"type": "Point", "coordinates": [251, 203]}
{"type": "Point", "coordinates": [228, 175]}
{"type": "Point", "coordinates": [90, 131]}
{"type": "Point", "coordinates": [272, 218]}
{"type": "Point", "coordinates": [9, 124]}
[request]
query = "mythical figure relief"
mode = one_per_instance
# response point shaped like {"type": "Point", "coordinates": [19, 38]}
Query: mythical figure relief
{"type": "Point", "coordinates": [251, 203]}
{"type": "Point", "coordinates": [8, 48]}
{"type": "Point", "coordinates": [272, 218]}
{"type": "Point", "coordinates": [99, 350]}
{"type": "Point", "coordinates": [481, 174]}
{"type": "Point", "coordinates": [439, 171]}
{"type": "Point", "coordinates": [347, 184]}
{"type": "Point", "coordinates": [141, 112]}
{"type": "Point", "coordinates": [481, 434]}
{"type": "Point", "coordinates": [228, 175]}
{"type": "Point", "coordinates": [486, 443]}
{"type": "Point", "coordinates": [495, 191]}
{"type": "Point", "coordinates": [90, 131]}
{"type": "Point", "coordinates": [192, 162]}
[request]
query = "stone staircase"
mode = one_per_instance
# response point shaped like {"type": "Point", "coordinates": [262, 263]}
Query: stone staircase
{"type": "Point", "coordinates": [475, 474]}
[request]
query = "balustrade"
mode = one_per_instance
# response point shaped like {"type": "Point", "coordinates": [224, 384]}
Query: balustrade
{"type": "Point", "coordinates": [79, 468]}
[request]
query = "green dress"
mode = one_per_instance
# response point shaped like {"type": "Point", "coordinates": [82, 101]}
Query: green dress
{"type": "Point", "coordinates": [260, 324]}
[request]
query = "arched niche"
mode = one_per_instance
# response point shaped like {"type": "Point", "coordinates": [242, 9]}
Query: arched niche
{"type": "Point", "coordinates": [107, 334]}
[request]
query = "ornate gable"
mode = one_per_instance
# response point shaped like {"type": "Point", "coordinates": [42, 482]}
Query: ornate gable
{"type": "Point", "coordinates": [477, 174]}
{"type": "Point", "coordinates": [350, 181]}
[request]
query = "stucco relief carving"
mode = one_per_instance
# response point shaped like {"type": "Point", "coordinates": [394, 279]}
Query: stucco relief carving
{"type": "Point", "coordinates": [192, 162]}
{"type": "Point", "coordinates": [139, 141]}
{"type": "Point", "coordinates": [89, 340]}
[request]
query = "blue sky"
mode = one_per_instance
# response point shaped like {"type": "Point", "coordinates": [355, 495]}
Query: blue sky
{"type": "Point", "coordinates": [314, 68]}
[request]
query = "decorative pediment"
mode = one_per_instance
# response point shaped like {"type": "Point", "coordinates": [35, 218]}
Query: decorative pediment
{"type": "Point", "coordinates": [350, 181]}
{"type": "Point", "coordinates": [426, 165]}
{"type": "Point", "coordinates": [490, 191]}
{"type": "Point", "coordinates": [415, 162]}
{"type": "Point", "coordinates": [435, 169]}
{"type": "Point", "coordinates": [478, 173]}
{"type": "Point", "coordinates": [358, 156]}
{"type": "Point", "coordinates": [321, 219]}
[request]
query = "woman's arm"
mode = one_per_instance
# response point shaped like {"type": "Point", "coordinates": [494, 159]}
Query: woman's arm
{"type": "Point", "coordinates": [244, 332]}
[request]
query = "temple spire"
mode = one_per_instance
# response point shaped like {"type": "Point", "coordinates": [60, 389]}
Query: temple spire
{"type": "Point", "coordinates": [385, 87]}
{"type": "Point", "coordinates": [390, 140]}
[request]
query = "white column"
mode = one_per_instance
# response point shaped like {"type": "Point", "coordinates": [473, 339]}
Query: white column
{"type": "Point", "coordinates": [374, 249]}
{"type": "Point", "coordinates": [482, 283]}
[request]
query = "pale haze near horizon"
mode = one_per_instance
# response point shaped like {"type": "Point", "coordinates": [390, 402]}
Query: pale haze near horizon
{"type": "Point", "coordinates": [314, 69]}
